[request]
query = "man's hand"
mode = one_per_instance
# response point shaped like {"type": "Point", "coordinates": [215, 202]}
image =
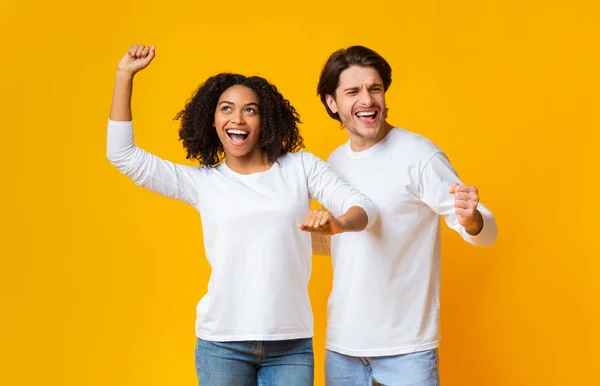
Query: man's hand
{"type": "Point", "coordinates": [466, 199]}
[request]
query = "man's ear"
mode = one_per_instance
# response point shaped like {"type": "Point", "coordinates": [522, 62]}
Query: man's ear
{"type": "Point", "coordinates": [331, 103]}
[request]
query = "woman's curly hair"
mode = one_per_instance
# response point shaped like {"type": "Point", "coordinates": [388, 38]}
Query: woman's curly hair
{"type": "Point", "coordinates": [279, 120]}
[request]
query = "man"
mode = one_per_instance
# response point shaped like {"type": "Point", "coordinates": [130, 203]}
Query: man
{"type": "Point", "coordinates": [383, 313]}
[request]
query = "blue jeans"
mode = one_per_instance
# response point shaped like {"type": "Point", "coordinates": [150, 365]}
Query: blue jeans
{"type": "Point", "coordinates": [263, 363]}
{"type": "Point", "coordinates": [414, 369]}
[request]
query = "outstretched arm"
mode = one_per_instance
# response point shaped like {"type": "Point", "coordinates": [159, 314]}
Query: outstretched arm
{"type": "Point", "coordinates": [145, 169]}
{"type": "Point", "coordinates": [136, 59]}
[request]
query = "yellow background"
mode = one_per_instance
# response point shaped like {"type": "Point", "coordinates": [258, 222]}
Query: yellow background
{"type": "Point", "coordinates": [99, 279]}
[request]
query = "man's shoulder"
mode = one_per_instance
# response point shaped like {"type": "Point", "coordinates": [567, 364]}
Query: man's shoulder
{"type": "Point", "coordinates": [417, 143]}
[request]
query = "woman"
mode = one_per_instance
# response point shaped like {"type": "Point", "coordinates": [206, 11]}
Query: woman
{"type": "Point", "coordinates": [253, 188]}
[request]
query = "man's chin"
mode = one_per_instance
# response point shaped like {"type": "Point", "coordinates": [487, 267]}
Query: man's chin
{"type": "Point", "coordinates": [368, 132]}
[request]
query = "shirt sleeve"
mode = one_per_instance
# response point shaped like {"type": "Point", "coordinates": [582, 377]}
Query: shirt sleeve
{"type": "Point", "coordinates": [436, 178]}
{"type": "Point", "coordinates": [331, 191]}
{"type": "Point", "coordinates": [147, 170]}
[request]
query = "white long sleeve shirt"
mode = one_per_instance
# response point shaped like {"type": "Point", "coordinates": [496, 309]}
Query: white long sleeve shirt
{"type": "Point", "coordinates": [260, 259]}
{"type": "Point", "coordinates": [385, 296]}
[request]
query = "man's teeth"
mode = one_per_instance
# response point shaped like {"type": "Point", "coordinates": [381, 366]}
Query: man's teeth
{"type": "Point", "coordinates": [241, 132]}
{"type": "Point", "coordinates": [366, 114]}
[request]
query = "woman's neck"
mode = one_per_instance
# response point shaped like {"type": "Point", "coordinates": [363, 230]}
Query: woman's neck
{"type": "Point", "coordinates": [254, 162]}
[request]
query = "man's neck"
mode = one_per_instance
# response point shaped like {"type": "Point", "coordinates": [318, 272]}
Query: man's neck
{"type": "Point", "coordinates": [358, 143]}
